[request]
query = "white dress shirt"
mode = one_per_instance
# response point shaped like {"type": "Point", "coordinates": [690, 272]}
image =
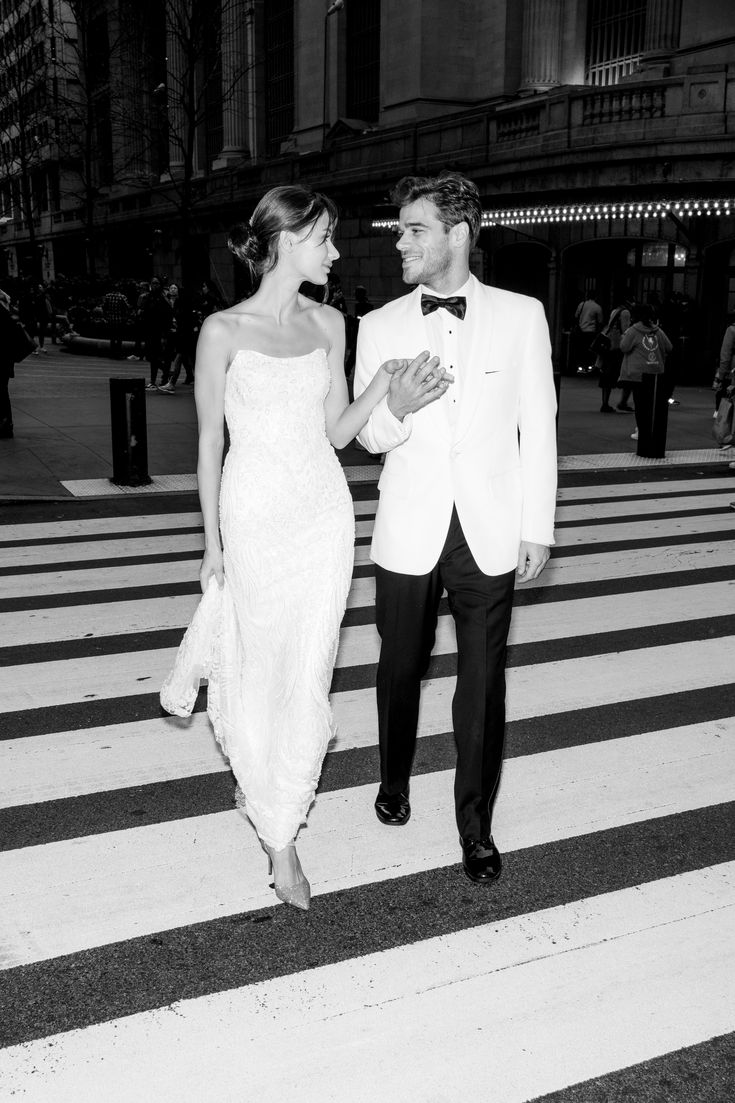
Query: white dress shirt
{"type": "Point", "coordinates": [450, 339]}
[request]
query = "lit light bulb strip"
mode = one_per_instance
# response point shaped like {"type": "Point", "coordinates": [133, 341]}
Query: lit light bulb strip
{"type": "Point", "coordinates": [595, 212]}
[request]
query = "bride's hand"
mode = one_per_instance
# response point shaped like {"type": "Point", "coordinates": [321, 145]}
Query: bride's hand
{"type": "Point", "coordinates": [212, 564]}
{"type": "Point", "coordinates": [390, 367]}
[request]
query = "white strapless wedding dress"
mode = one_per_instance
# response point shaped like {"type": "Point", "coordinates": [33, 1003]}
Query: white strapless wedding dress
{"type": "Point", "coordinates": [268, 640]}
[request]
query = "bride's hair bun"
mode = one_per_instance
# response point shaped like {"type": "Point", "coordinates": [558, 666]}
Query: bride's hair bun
{"type": "Point", "coordinates": [244, 243]}
{"type": "Point", "coordinates": [285, 208]}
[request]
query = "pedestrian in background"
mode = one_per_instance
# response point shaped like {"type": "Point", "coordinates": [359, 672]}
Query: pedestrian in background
{"type": "Point", "coordinates": [611, 359]}
{"type": "Point", "coordinates": [44, 317]}
{"type": "Point", "coordinates": [725, 374]}
{"type": "Point", "coordinates": [588, 319]}
{"type": "Point", "coordinates": [6, 367]}
{"type": "Point", "coordinates": [116, 310]}
{"type": "Point", "coordinates": [645, 347]}
{"type": "Point", "coordinates": [157, 326]}
{"type": "Point", "coordinates": [186, 331]}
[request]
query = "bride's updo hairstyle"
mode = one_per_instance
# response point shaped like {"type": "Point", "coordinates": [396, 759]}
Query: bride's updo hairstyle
{"type": "Point", "coordinates": [288, 208]}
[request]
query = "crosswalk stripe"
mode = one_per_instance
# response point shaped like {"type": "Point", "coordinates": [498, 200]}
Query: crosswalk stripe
{"type": "Point", "coordinates": [172, 543]}
{"type": "Point", "coordinates": [596, 566]}
{"type": "Point", "coordinates": [360, 644]}
{"type": "Point", "coordinates": [621, 755]}
{"type": "Point", "coordinates": [609, 968]}
{"type": "Point", "coordinates": [652, 488]}
{"type": "Point", "coordinates": [547, 687]}
{"type": "Point", "coordinates": [55, 531]}
{"type": "Point", "coordinates": [644, 507]}
{"type": "Point", "coordinates": [68, 896]}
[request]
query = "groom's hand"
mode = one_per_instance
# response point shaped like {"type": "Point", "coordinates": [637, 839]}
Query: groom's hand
{"type": "Point", "coordinates": [420, 382]}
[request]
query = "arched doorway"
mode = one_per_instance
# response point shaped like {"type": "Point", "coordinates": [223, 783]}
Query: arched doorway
{"type": "Point", "coordinates": [718, 301]}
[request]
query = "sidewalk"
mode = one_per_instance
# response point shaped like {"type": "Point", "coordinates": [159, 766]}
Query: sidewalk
{"type": "Point", "coordinates": [62, 447]}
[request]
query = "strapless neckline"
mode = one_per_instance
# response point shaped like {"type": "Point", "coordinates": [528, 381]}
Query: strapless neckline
{"type": "Point", "coordinates": [280, 359]}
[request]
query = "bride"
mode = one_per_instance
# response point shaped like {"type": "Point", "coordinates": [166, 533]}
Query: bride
{"type": "Point", "coordinates": [278, 519]}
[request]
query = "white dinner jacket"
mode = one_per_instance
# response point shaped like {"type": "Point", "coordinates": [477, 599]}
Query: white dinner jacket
{"type": "Point", "coordinates": [496, 461]}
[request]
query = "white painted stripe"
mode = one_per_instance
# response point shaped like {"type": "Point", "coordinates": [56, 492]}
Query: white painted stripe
{"type": "Point", "coordinates": [360, 644]}
{"type": "Point", "coordinates": [124, 548]}
{"type": "Point", "coordinates": [98, 526]}
{"type": "Point", "coordinates": [173, 543]}
{"type": "Point", "coordinates": [124, 576]}
{"type": "Point", "coordinates": [647, 530]}
{"type": "Point", "coordinates": [67, 896]}
{"type": "Point", "coordinates": [645, 507]}
{"type": "Point", "coordinates": [601, 566]}
{"type": "Point", "coordinates": [564, 685]}
{"type": "Point", "coordinates": [530, 1005]}
{"type": "Point", "coordinates": [583, 680]}
{"type": "Point", "coordinates": [170, 544]}
{"type": "Point", "coordinates": [596, 566]}
{"type": "Point", "coordinates": [115, 756]}
{"type": "Point", "coordinates": [653, 489]}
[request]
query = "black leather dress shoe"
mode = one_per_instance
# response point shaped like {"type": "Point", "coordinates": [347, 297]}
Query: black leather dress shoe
{"type": "Point", "coordinates": [481, 860]}
{"type": "Point", "coordinates": [393, 811]}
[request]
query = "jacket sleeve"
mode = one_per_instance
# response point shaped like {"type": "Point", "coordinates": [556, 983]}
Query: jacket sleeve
{"type": "Point", "coordinates": [665, 343]}
{"type": "Point", "coordinates": [537, 426]}
{"type": "Point", "coordinates": [382, 431]}
{"type": "Point", "coordinates": [627, 341]}
{"type": "Point", "coordinates": [726, 353]}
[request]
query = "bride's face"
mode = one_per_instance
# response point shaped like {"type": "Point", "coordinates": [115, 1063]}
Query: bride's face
{"type": "Point", "coordinates": [314, 252]}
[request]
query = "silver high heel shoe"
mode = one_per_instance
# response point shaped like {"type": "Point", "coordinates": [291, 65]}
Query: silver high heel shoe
{"type": "Point", "coordinates": [298, 895]}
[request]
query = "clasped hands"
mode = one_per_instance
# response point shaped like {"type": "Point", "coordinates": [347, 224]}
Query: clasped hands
{"type": "Point", "coordinates": [415, 383]}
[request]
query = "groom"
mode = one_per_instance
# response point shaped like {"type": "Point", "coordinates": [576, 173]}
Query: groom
{"type": "Point", "coordinates": [467, 495]}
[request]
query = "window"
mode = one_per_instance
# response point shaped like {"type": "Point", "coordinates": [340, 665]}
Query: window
{"type": "Point", "coordinates": [363, 60]}
{"type": "Point", "coordinates": [279, 73]}
{"type": "Point", "coordinates": [658, 255]}
{"type": "Point", "coordinates": [615, 33]}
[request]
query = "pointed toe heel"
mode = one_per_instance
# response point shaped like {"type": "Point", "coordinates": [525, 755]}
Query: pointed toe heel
{"type": "Point", "coordinates": [297, 894]}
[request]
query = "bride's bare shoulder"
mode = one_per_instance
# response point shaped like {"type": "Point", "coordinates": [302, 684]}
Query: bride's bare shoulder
{"type": "Point", "coordinates": [328, 318]}
{"type": "Point", "coordinates": [221, 325]}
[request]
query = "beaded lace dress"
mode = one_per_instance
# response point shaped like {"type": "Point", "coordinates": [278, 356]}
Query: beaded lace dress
{"type": "Point", "coordinates": [267, 642]}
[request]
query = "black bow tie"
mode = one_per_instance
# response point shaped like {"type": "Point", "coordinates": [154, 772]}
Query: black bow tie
{"type": "Point", "coordinates": [455, 304]}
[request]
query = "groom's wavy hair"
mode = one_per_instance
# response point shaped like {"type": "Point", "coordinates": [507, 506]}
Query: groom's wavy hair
{"type": "Point", "coordinates": [455, 197]}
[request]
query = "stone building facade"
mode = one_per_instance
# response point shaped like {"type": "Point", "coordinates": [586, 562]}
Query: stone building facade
{"type": "Point", "coordinates": [600, 134]}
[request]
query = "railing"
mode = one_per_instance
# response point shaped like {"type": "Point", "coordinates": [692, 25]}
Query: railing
{"type": "Point", "coordinates": [621, 105]}
{"type": "Point", "coordinates": [514, 125]}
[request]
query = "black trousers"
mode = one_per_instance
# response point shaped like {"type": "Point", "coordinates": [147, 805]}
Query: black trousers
{"type": "Point", "coordinates": [651, 400]}
{"type": "Point", "coordinates": [406, 610]}
{"type": "Point", "coordinates": [6, 413]}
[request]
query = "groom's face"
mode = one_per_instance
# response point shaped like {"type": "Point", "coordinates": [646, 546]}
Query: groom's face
{"type": "Point", "coordinates": [423, 243]}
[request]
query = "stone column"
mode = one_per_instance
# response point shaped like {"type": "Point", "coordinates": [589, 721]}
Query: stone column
{"type": "Point", "coordinates": [235, 65]}
{"type": "Point", "coordinates": [663, 18]}
{"type": "Point", "coordinates": [255, 77]}
{"type": "Point", "coordinates": [541, 48]}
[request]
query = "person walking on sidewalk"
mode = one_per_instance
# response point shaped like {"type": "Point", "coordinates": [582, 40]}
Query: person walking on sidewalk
{"type": "Point", "coordinates": [612, 358]}
{"type": "Point", "coordinates": [116, 310]}
{"type": "Point", "coordinates": [588, 322]}
{"type": "Point", "coordinates": [157, 325]}
{"type": "Point", "coordinates": [184, 340]}
{"type": "Point", "coordinates": [7, 366]}
{"type": "Point", "coordinates": [467, 496]}
{"type": "Point", "coordinates": [645, 347]}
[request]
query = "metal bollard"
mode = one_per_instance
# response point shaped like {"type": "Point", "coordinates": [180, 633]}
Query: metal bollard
{"type": "Point", "coordinates": [129, 433]}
